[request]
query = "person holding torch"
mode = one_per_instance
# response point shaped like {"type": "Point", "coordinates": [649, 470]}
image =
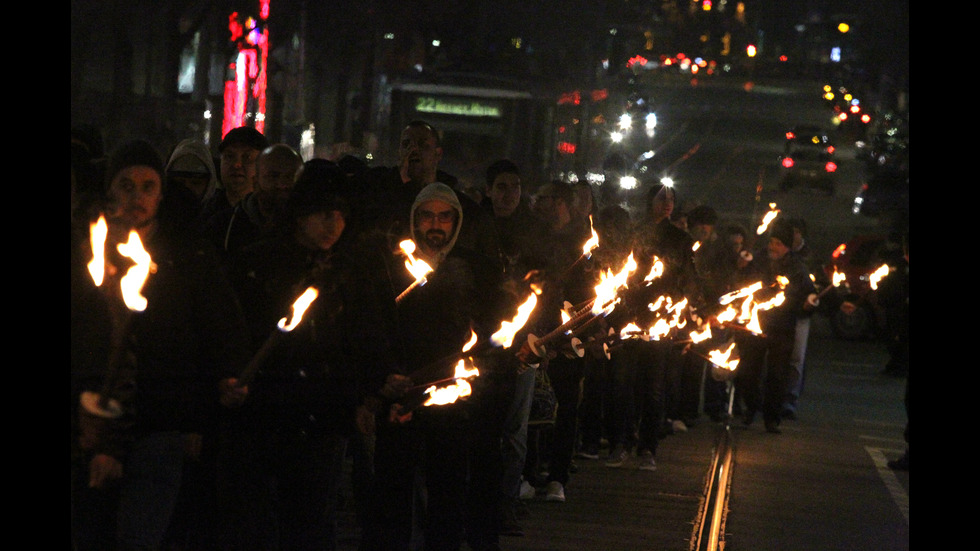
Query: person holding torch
{"type": "Point", "coordinates": [311, 374]}
{"type": "Point", "coordinates": [455, 447]}
{"type": "Point", "coordinates": [171, 337]}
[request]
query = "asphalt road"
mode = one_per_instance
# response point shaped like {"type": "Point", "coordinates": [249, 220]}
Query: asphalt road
{"type": "Point", "coordinates": [821, 485]}
{"type": "Point", "coordinates": [720, 141]}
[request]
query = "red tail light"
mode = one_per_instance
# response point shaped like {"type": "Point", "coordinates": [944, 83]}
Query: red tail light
{"type": "Point", "coordinates": [787, 162]}
{"type": "Point", "coordinates": [830, 149]}
{"type": "Point", "coordinates": [830, 166]}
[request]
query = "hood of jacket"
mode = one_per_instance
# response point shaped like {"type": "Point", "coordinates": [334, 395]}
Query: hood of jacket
{"type": "Point", "coordinates": [444, 193]}
{"type": "Point", "coordinates": [192, 155]}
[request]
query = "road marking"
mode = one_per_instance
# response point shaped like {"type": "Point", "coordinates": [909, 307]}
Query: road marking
{"type": "Point", "coordinates": [842, 363]}
{"type": "Point", "coordinates": [854, 377]}
{"type": "Point", "coordinates": [883, 440]}
{"type": "Point", "coordinates": [895, 488]}
{"type": "Point", "coordinates": [877, 423]}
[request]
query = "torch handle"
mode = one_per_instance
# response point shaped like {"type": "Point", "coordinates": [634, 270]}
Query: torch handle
{"type": "Point", "coordinates": [826, 290]}
{"type": "Point", "coordinates": [577, 321]}
{"type": "Point", "coordinates": [258, 360]}
{"type": "Point", "coordinates": [403, 294]}
{"type": "Point", "coordinates": [121, 325]}
{"type": "Point", "coordinates": [446, 362]}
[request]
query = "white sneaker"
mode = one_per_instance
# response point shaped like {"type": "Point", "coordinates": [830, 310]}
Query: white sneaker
{"type": "Point", "coordinates": [527, 491]}
{"type": "Point", "coordinates": [647, 462]}
{"type": "Point", "coordinates": [617, 457]}
{"type": "Point", "coordinates": [555, 492]}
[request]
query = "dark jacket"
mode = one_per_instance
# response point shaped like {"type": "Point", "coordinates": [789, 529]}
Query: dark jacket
{"type": "Point", "coordinates": [781, 320]}
{"type": "Point", "coordinates": [191, 335]}
{"type": "Point", "coordinates": [324, 368]}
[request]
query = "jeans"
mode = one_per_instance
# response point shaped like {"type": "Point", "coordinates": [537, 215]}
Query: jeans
{"type": "Point", "coordinates": [796, 362]}
{"type": "Point", "coordinates": [514, 441]}
{"type": "Point", "coordinates": [149, 489]}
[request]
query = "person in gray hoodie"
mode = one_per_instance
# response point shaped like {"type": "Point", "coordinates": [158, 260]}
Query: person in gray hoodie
{"type": "Point", "coordinates": [191, 179]}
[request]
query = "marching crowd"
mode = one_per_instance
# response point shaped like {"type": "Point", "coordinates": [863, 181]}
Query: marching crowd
{"type": "Point", "coordinates": [205, 421]}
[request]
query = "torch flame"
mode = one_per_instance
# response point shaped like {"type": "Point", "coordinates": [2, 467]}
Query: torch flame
{"type": "Point", "coordinates": [775, 301]}
{"type": "Point", "coordinates": [728, 298]}
{"type": "Point", "coordinates": [721, 359]}
{"type": "Point", "coordinates": [609, 285]}
{"type": "Point", "coordinates": [593, 241]}
{"type": "Point", "coordinates": [505, 335]}
{"type": "Point", "coordinates": [727, 315]}
{"type": "Point", "coordinates": [417, 267]}
{"type": "Point", "coordinates": [660, 329]}
{"type": "Point", "coordinates": [673, 317]}
{"type": "Point", "coordinates": [629, 330]}
{"type": "Point", "coordinates": [701, 336]}
{"type": "Point", "coordinates": [469, 344]}
{"type": "Point", "coordinates": [97, 236]}
{"type": "Point", "coordinates": [656, 270]}
{"type": "Point", "coordinates": [877, 275]}
{"type": "Point", "coordinates": [131, 284]}
{"type": "Point", "coordinates": [299, 308]}
{"type": "Point", "coordinates": [838, 278]}
{"type": "Point", "coordinates": [459, 389]}
{"type": "Point", "coordinates": [767, 219]}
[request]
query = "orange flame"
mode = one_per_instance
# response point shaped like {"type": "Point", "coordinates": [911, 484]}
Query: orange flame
{"type": "Point", "coordinates": [593, 241]}
{"type": "Point", "coordinates": [877, 275]}
{"type": "Point", "coordinates": [728, 298]}
{"type": "Point", "coordinates": [701, 336]}
{"type": "Point", "coordinates": [729, 314]}
{"type": "Point", "coordinates": [505, 335]}
{"type": "Point", "coordinates": [841, 249]}
{"type": "Point", "coordinates": [656, 270]}
{"type": "Point", "coordinates": [98, 232]}
{"type": "Point", "coordinates": [459, 389]}
{"type": "Point", "coordinates": [131, 284]}
{"type": "Point", "coordinates": [672, 318]}
{"type": "Point", "coordinates": [469, 344]}
{"type": "Point", "coordinates": [722, 358]}
{"type": "Point", "coordinates": [609, 285]}
{"type": "Point", "coordinates": [838, 278]}
{"type": "Point", "coordinates": [753, 324]}
{"type": "Point", "coordinates": [299, 308]}
{"type": "Point", "coordinates": [630, 330]}
{"type": "Point", "coordinates": [417, 267]}
{"type": "Point", "coordinates": [767, 219]}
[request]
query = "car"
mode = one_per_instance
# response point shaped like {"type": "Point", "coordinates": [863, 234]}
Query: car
{"type": "Point", "coordinates": [884, 192]}
{"type": "Point", "coordinates": [808, 159]}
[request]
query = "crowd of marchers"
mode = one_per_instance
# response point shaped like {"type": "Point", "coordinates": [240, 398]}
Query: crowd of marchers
{"type": "Point", "coordinates": [221, 415]}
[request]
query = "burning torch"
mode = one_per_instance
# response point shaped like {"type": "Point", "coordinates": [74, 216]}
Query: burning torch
{"type": "Point", "coordinates": [285, 325]}
{"type": "Point", "coordinates": [130, 286]}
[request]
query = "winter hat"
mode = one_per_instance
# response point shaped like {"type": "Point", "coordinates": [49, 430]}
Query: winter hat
{"type": "Point", "coordinates": [244, 135]}
{"type": "Point", "coordinates": [321, 186]}
{"type": "Point", "coordinates": [782, 230]}
{"type": "Point", "coordinates": [134, 153]}
{"type": "Point", "coordinates": [702, 214]}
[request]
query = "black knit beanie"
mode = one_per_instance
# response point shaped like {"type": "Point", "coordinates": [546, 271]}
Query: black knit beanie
{"type": "Point", "coordinates": [134, 153]}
